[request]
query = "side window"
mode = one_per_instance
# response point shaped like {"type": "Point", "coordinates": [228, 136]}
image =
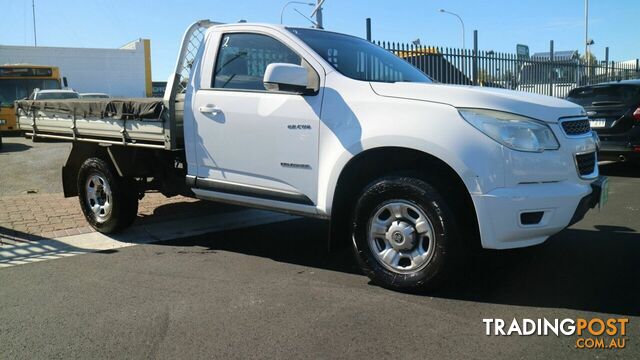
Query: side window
{"type": "Point", "coordinates": [363, 66]}
{"type": "Point", "coordinates": [243, 58]}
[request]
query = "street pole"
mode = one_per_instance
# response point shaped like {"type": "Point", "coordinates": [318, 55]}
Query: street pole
{"type": "Point", "coordinates": [586, 31]}
{"type": "Point", "coordinates": [606, 62]}
{"type": "Point", "coordinates": [289, 3]}
{"type": "Point", "coordinates": [319, 14]}
{"type": "Point", "coordinates": [35, 36]}
{"type": "Point", "coordinates": [552, 59]}
{"type": "Point", "coordinates": [461, 23]}
{"type": "Point", "coordinates": [475, 58]}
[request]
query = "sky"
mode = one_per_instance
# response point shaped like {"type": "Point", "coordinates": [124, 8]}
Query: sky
{"type": "Point", "coordinates": [501, 24]}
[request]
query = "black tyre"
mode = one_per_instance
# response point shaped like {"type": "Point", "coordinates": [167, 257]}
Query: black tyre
{"type": "Point", "coordinates": [109, 202]}
{"type": "Point", "coordinates": [404, 234]}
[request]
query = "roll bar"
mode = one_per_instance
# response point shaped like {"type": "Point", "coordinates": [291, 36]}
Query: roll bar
{"type": "Point", "coordinates": [177, 83]}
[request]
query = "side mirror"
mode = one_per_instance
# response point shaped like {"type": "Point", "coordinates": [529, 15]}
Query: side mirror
{"type": "Point", "coordinates": [64, 82]}
{"type": "Point", "coordinates": [285, 77]}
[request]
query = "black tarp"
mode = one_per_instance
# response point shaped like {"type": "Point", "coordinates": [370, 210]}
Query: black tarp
{"type": "Point", "coordinates": [120, 109]}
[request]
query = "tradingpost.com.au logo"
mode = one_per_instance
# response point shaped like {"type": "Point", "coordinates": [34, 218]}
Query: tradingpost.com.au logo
{"type": "Point", "coordinates": [594, 333]}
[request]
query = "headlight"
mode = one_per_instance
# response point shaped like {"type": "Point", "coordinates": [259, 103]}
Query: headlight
{"type": "Point", "coordinates": [513, 131]}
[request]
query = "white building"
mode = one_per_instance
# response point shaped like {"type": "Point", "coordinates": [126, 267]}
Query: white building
{"type": "Point", "coordinates": [123, 72]}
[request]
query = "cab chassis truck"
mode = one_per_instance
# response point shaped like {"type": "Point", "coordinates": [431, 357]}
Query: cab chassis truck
{"type": "Point", "coordinates": [411, 173]}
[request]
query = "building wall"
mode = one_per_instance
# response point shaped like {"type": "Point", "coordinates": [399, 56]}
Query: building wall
{"type": "Point", "coordinates": [123, 72]}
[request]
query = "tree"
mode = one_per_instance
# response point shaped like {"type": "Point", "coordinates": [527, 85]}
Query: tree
{"type": "Point", "coordinates": [591, 62]}
{"type": "Point", "coordinates": [589, 59]}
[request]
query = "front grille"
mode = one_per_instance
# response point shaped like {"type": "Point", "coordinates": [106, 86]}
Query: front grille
{"type": "Point", "coordinates": [586, 163]}
{"type": "Point", "coordinates": [576, 127]}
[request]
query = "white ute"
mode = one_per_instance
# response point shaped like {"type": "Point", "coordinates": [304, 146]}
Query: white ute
{"type": "Point", "coordinates": [412, 173]}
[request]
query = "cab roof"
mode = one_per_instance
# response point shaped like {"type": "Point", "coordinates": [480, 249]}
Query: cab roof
{"type": "Point", "coordinates": [55, 91]}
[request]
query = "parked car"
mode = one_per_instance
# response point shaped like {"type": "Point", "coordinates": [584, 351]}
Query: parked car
{"type": "Point", "coordinates": [59, 94]}
{"type": "Point", "coordinates": [614, 113]}
{"type": "Point", "coordinates": [413, 174]}
{"type": "Point", "coordinates": [94, 96]}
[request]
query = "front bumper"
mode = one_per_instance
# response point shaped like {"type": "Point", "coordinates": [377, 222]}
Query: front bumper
{"type": "Point", "coordinates": [561, 204]}
{"type": "Point", "coordinates": [589, 201]}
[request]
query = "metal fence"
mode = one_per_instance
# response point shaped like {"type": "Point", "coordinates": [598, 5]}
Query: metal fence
{"type": "Point", "coordinates": [552, 73]}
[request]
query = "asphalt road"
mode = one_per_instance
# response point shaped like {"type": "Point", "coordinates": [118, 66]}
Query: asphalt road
{"type": "Point", "coordinates": [28, 167]}
{"type": "Point", "coordinates": [274, 292]}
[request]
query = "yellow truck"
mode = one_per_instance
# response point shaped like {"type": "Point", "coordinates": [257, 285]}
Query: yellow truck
{"type": "Point", "coordinates": [18, 82]}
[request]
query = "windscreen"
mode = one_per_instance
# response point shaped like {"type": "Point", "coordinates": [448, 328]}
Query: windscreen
{"type": "Point", "coordinates": [57, 96]}
{"type": "Point", "coordinates": [17, 89]}
{"type": "Point", "coordinates": [358, 58]}
{"type": "Point", "coordinates": [613, 94]}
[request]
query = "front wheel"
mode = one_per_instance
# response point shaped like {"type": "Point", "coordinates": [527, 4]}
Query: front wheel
{"type": "Point", "coordinates": [404, 234]}
{"type": "Point", "coordinates": [109, 203]}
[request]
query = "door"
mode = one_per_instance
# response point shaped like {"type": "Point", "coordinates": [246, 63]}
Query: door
{"type": "Point", "coordinates": [251, 141]}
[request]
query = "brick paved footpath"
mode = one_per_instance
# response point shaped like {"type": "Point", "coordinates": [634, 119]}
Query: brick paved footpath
{"type": "Point", "coordinates": [36, 216]}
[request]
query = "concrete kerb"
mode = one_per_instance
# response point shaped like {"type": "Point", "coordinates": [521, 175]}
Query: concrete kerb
{"type": "Point", "coordinates": [47, 249]}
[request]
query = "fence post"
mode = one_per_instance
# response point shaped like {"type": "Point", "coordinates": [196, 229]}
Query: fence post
{"type": "Point", "coordinates": [475, 57]}
{"type": "Point", "coordinates": [368, 29]}
{"type": "Point", "coordinates": [551, 67]}
{"type": "Point", "coordinates": [606, 63]}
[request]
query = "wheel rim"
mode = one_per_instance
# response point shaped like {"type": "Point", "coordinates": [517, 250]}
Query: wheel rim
{"type": "Point", "coordinates": [99, 197]}
{"type": "Point", "coordinates": [401, 236]}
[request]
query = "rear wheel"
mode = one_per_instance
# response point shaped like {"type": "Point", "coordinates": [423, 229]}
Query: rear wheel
{"type": "Point", "coordinates": [109, 202]}
{"type": "Point", "coordinates": [404, 234]}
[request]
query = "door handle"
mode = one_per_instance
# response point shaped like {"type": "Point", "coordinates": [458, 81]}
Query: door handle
{"type": "Point", "coordinates": [209, 109]}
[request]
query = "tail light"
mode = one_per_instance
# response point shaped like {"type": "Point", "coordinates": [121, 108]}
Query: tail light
{"type": "Point", "coordinates": [636, 114]}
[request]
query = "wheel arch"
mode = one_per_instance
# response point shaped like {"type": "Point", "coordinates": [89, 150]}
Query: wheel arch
{"type": "Point", "coordinates": [376, 162]}
{"type": "Point", "coordinates": [128, 162]}
{"type": "Point", "coordinates": [80, 152]}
